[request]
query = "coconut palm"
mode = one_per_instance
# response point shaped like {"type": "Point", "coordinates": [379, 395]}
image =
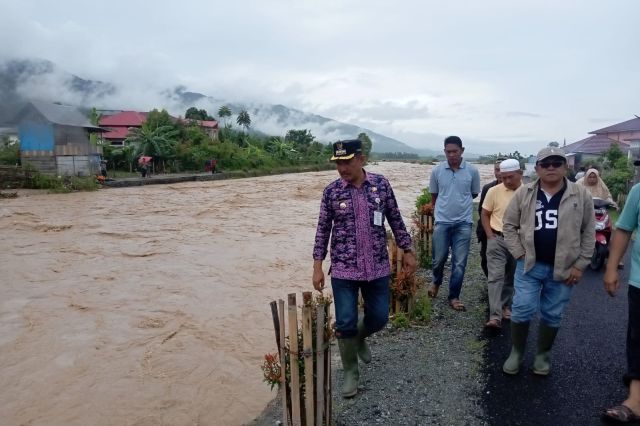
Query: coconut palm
{"type": "Point", "coordinates": [159, 143]}
{"type": "Point", "coordinates": [244, 119]}
{"type": "Point", "coordinates": [224, 112]}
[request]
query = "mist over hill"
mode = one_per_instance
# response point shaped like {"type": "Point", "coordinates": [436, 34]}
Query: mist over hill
{"type": "Point", "coordinates": [38, 79]}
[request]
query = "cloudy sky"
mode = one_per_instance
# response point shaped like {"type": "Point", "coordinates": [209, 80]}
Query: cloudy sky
{"type": "Point", "coordinates": [513, 74]}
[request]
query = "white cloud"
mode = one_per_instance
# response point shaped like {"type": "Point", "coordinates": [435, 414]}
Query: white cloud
{"type": "Point", "coordinates": [510, 72]}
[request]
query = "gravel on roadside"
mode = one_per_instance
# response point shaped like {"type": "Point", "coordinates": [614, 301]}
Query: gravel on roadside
{"type": "Point", "coordinates": [421, 375]}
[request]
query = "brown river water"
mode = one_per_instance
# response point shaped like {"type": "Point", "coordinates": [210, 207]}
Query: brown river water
{"type": "Point", "coordinates": [150, 305]}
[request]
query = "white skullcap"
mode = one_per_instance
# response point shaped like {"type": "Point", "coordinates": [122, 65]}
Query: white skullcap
{"type": "Point", "coordinates": [510, 165]}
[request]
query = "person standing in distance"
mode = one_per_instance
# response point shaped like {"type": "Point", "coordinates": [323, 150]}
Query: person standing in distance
{"type": "Point", "coordinates": [549, 227]}
{"type": "Point", "coordinates": [500, 262]}
{"type": "Point", "coordinates": [352, 213]}
{"type": "Point", "coordinates": [482, 237]}
{"type": "Point", "coordinates": [453, 186]}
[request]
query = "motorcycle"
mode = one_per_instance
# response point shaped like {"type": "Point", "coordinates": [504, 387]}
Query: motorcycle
{"type": "Point", "coordinates": [603, 233]}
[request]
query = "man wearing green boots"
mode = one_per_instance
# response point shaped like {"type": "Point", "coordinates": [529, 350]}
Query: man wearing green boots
{"type": "Point", "coordinates": [352, 213]}
{"type": "Point", "coordinates": [549, 228]}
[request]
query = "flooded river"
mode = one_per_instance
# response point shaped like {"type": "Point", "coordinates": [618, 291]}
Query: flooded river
{"type": "Point", "coordinates": [150, 305]}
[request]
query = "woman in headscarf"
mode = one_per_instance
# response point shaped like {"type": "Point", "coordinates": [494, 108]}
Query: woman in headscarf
{"type": "Point", "coordinates": [594, 183]}
{"type": "Point", "coordinates": [596, 186]}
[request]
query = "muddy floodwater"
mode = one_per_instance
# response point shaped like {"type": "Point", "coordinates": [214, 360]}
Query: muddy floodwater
{"type": "Point", "coordinates": [150, 305]}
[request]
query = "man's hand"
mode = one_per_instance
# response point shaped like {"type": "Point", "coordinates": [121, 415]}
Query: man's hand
{"type": "Point", "coordinates": [318, 276]}
{"type": "Point", "coordinates": [574, 276]}
{"type": "Point", "coordinates": [611, 281]}
{"type": "Point", "coordinates": [409, 263]}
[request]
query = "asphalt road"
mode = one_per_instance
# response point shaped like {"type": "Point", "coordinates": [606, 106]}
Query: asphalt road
{"type": "Point", "coordinates": [588, 361]}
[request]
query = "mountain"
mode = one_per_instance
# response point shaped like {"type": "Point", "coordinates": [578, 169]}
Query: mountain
{"type": "Point", "coordinates": [25, 79]}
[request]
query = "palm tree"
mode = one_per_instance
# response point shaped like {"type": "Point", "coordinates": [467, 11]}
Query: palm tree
{"type": "Point", "coordinates": [224, 112]}
{"type": "Point", "coordinates": [158, 143]}
{"type": "Point", "coordinates": [244, 119]}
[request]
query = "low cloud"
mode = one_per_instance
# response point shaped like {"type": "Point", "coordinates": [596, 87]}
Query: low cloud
{"type": "Point", "coordinates": [522, 114]}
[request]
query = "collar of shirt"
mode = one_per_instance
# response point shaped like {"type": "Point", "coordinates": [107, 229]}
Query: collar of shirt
{"type": "Point", "coordinates": [345, 183]}
{"type": "Point", "coordinates": [461, 166]}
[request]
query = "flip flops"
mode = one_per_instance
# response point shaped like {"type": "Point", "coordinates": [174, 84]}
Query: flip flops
{"type": "Point", "coordinates": [493, 323]}
{"type": "Point", "coordinates": [620, 414]}
{"type": "Point", "coordinates": [432, 291]}
{"type": "Point", "coordinates": [457, 305]}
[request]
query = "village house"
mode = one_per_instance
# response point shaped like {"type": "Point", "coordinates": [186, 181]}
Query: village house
{"type": "Point", "coordinates": [118, 125]}
{"type": "Point", "coordinates": [54, 139]}
{"type": "Point", "coordinates": [625, 135]}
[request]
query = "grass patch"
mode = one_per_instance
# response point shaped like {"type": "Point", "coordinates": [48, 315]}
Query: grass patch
{"type": "Point", "coordinates": [422, 310]}
{"type": "Point", "coordinates": [401, 320]}
{"type": "Point", "coordinates": [62, 184]}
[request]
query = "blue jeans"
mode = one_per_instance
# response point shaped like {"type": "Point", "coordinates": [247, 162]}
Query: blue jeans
{"type": "Point", "coordinates": [376, 305]}
{"type": "Point", "coordinates": [456, 236]}
{"type": "Point", "coordinates": [537, 286]}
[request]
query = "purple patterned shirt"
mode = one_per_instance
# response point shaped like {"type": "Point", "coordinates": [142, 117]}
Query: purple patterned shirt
{"type": "Point", "coordinates": [358, 246]}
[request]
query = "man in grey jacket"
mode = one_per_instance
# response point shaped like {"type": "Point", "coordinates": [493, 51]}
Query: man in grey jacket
{"type": "Point", "coordinates": [549, 229]}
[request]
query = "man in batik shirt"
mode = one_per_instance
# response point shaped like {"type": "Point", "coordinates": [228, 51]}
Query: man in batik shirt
{"type": "Point", "coordinates": [352, 214]}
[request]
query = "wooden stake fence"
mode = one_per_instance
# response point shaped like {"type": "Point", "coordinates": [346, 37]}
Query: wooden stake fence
{"type": "Point", "coordinates": [305, 366]}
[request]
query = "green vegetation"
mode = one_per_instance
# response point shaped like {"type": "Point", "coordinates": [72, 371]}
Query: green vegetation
{"type": "Point", "coordinates": [197, 114]}
{"type": "Point", "coordinates": [61, 183]}
{"type": "Point", "coordinates": [407, 157]}
{"type": "Point", "coordinates": [184, 147]}
{"type": "Point", "coordinates": [423, 199]}
{"type": "Point", "coordinates": [366, 144]}
{"type": "Point", "coordinates": [617, 171]}
{"type": "Point", "coordinates": [491, 159]}
{"type": "Point", "coordinates": [9, 152]}
{"type": "Point", "coordinates": [401, 320]}
{"type": "Point", "coordinates": [422, 309]}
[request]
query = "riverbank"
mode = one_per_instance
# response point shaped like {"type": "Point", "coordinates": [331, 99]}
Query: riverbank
{"type": "Point", "coordinates": [201, 177]}
{"type": "Point", "coordinates": [422, 374]}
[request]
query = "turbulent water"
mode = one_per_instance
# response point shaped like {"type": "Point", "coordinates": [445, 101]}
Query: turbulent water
{"type": "Point", "coordinates": [150, 305]}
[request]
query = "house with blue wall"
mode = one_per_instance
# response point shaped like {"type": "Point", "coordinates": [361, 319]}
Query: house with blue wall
{"type": "Point", "coordinates": [54, 139]}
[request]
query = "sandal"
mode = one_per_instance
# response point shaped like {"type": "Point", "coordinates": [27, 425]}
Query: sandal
{"type": "Point", "coordinates": [493, 323]}
{"type": "Point", "coordinates": [457, 305]}
{"type": "Point", "coordinates": [432, 291]}
{"type": "Point", "coordinates": [620, 414]}
{"type": "Point", "coordinates": [506, 313]}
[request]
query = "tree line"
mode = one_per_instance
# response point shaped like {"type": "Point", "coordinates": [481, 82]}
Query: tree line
{"type": "Point", "coordinates": [177, 146]}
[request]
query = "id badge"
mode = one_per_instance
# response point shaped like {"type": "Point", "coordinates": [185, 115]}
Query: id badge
{"type": "Point", "coordinates": [377, 218]}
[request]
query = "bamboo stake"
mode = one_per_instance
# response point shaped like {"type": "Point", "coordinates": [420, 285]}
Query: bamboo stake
{"type": "Point", "coordinates": [293, 358]}
{"type": "Point", "coordinates": [283, 367]}
{"type": "Point", "coordinates": [276, 322]}
{"type": "Point", "coordinates": [399, 255]}
{"type": "Point", "coordinates": [307, 347]}
{"type": "Point", "coordinates": [320, 388]}
{"type": "Point", "coordinates": [327, 368]}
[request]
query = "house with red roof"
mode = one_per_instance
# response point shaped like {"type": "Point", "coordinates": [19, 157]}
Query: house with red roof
{"type": "Point", "coordinates": [210, 127]}
{"type": "Point", "coordinates": [118, 125]}
{"type": "Point", "coordinates": [622, 134]}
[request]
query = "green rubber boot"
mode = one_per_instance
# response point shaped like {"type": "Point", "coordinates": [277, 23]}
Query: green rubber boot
{"type": "Point", "coordinates": [546, 337]}
{"type": "Point", "coordinates": [349, 355]}
{"type": "Point", "coordinates": [519, 333]}
{"type": "Point", "coordinates": [364, 353]}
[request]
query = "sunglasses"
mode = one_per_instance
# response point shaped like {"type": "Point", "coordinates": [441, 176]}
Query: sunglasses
{"type": "Point", "coordinates": [555, 163]}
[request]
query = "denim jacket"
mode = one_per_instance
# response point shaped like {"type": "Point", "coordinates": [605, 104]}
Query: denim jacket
{"type": "Point", "coordinates": [337, 220]}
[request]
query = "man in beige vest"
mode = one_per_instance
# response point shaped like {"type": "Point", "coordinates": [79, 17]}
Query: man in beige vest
{"type": "Point", "coordinates": [500, 263]}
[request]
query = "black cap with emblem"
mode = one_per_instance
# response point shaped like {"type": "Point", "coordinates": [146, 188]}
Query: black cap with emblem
{"type": "Point", "coordinates": [346, 150]}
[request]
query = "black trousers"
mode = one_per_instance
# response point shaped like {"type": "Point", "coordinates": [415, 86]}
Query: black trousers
{"type": "Point", "coordinates": [633, 336]}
